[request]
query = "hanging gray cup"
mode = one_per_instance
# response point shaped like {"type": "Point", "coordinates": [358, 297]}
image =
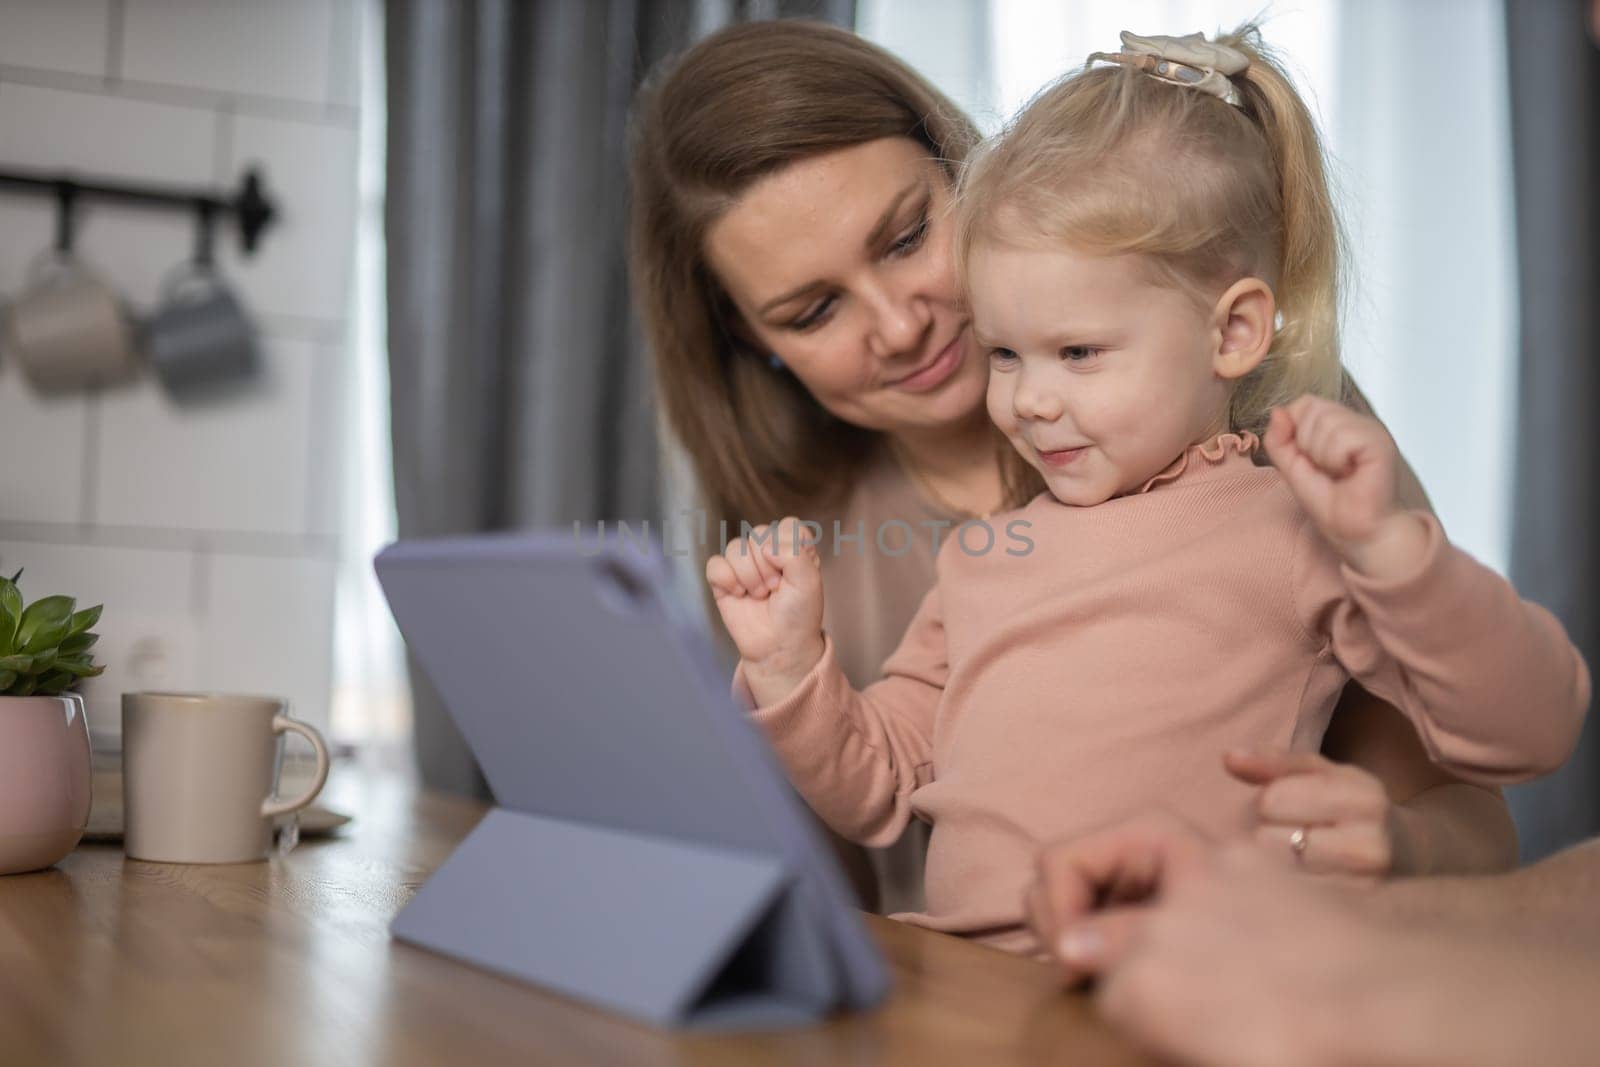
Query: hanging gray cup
{"type": "Point", "coordinates": [199, 340]}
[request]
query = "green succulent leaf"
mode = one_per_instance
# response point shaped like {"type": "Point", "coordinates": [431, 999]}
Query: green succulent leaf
{"type": "Point", "coordinates": [44, 623]}
{"type": "Point", "coordinates": [44, 646]}
{"type": "Point", "coordinates": [78, 643]}
{"type": "Point", "coordinates": [84, 619]}
{"type": "Point", "coordinates": [10, 598]}
{"type": "Point", "coordinates": [54, 683]}
{"type": "Point", "coordinates": [47, 638]}
{"type": "Point", "coordinates": [77, 666]}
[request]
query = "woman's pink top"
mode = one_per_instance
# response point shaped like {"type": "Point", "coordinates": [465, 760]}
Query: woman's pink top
{"type": "Point", "coordinates": [1039, 696]}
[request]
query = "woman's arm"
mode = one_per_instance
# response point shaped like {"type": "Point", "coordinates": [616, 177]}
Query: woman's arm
{"type": "Point", "coordinates": [1553, 899]}
{"type": "Point", "coordinates": [1245, 963]}
{"type": "Point", "coordinates": [1225, 956]}
{"type": "Point", "coordinates": [1440, 824]}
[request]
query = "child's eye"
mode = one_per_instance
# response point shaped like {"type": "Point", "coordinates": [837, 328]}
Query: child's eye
{"type": "Point", "coordinates": [1002, 357]}
{"type": "Point", "coordinates": [1079, 353]}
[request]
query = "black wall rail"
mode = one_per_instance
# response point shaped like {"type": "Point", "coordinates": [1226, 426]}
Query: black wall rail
{"type": "Point", "coordinates": [250, 206]}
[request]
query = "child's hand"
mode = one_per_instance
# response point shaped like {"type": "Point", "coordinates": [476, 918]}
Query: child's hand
{"type": "Point", "coordinates": [1342, 468]}
{"type": "Point", "coordinates": [1349, 825]}
{"type": "Point", "coordinates": [768, 589]}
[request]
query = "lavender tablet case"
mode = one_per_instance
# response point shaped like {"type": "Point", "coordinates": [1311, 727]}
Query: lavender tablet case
{"type": "Point", "coordinates": [645, 853]}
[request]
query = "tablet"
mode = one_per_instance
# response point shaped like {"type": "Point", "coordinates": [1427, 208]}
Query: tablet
{"type": "Point", "coordinates": [646, 852]}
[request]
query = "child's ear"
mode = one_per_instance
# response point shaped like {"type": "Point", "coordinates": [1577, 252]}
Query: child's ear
{"type": "Point", "coordinates": [1244, 319]}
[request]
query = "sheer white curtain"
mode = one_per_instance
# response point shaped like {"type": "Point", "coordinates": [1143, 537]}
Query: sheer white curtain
{"type": "Point", "coordinates": [1421, 159]}
{"type": "Point", "coordinates": [371, 697]}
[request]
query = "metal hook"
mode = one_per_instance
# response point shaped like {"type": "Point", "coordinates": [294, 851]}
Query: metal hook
{"type": "Point", "coordinates": [253, 209]}
{"type": "Point", "coordinates": [205, 233]}
{"type": "Point", "coordinates": [66, 197]}
{"type": "Point", "coordinates": [252, 206]}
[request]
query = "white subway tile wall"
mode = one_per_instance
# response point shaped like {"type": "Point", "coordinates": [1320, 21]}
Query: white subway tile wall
{"type": "Point", "coordinates": [303, 267]}
{"type": "Point", "coordinates": [97, 132]}
{"type": "Point", "coordinates": [42, 455]}
{"type": "Point", "coordinates": [264, 616]}
{"type": "Point", "coordinates": [212, 474]}
{"type": "Point", "coordinates": [68, 36]}
{"type": "Point", "coordinates": [208, 531]}
{"type": "Point", "coordinates": [279, 49]}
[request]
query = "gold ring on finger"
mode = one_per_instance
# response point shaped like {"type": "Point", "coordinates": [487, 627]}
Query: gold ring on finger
{"type": "Point", "coordinates": [1298, 841]}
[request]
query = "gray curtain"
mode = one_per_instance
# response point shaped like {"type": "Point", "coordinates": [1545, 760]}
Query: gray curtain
{"type": "Point", "coordinates": [1555, 115]}
{"type": "Point", "coordinates": [519, 391]}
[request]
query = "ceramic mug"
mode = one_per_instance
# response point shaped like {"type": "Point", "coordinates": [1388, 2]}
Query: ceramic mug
{"type": "Point", "coordinates": [199, 775]}
{"type": "Point", "coordinates": [199, 338]}
{"type": "Point", "coordinates": [68, 330]}
{"type": "Point", "coordinates": [44, 780]}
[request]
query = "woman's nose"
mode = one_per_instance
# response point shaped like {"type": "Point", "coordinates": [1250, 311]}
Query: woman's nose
{"type": "Point", "coordinates": [900, 325]}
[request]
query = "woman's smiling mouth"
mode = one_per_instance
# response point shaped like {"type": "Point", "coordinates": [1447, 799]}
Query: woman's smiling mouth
{"type": "Point", "coordinates": [934, 373]}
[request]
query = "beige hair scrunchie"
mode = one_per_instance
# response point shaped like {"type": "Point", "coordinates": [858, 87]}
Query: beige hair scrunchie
{"type": "Point", "coordinates": [1190, 61]}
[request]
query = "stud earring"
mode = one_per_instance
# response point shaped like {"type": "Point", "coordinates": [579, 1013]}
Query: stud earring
{"type": "Point", "coordinates": [774, 362]}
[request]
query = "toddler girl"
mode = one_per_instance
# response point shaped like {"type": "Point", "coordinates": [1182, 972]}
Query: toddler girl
{"type": "Point", "coordinates": [1150, 253]}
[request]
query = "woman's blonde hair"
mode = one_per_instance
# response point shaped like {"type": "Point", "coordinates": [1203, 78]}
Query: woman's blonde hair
{"type": "Point", "coordinates": [1111, 160]}
{"type": "Point", "coordinates": [740, 105]}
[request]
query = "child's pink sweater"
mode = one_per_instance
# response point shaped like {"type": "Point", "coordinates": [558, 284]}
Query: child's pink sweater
{"type": "Point", "coordinates": [1041, 696]}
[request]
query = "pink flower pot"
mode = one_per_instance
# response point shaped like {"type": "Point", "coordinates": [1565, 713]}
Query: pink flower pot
{"type": "Point", "coordinates": [44, 780]}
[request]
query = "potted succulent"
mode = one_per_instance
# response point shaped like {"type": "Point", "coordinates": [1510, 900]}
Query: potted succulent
{"type": "Point", "coordinates": [44, 740]}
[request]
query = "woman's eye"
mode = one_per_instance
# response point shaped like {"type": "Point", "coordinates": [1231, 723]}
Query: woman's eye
{"type": "Point", "coordinates": [911, 239]}
{"type": "Point", "coordinates": [1078, 353]}
{"type": "Point", "coordinates": [814, 316]}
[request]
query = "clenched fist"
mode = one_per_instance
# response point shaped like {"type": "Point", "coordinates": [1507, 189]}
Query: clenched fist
{"type": "Point", "coordinates": [768, 590]}
{"type": "Point", "coordinates": [1342, 467]}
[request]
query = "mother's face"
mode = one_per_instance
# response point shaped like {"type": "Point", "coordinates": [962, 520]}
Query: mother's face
{"type": "Point", "coordinates": [841, 266]}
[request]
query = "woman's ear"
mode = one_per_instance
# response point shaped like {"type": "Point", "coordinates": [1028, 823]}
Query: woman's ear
{"type": "Point", "coordinates": [1244, 318]}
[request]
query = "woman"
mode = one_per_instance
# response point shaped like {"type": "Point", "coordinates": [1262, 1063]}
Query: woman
{"type": "Point", "coordinates": [791, 256]}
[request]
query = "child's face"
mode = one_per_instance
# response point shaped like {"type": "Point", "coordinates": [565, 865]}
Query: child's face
{"type": "Point", "coordinates": [1099, 376]}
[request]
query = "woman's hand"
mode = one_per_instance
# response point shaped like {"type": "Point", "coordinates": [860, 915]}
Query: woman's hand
{"type": "Point", "coordinates": [1247, 963]}
{"type": "Point", "coordinates": [1348, 822]}
{"type": "Point", "coordinates": [1342, 468]}
{"type": "Point", "coordinates": [768, 590]}
{"type": "Point", "coordinates": [1089, 894]}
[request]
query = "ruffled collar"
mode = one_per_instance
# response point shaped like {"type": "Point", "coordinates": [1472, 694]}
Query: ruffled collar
{"type": "Point", "coordinates": [1206, 455]}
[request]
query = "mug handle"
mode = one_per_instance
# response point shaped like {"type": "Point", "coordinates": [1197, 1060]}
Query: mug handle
{"type": "Point", "coordinates": [284, 724]}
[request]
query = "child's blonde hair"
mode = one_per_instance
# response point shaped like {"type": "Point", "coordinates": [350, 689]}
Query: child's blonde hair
{"type": "Point", "coordinates": [1111, 160]}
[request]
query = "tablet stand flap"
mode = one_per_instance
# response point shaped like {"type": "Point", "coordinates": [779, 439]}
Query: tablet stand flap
{"type": "Point", "coordinates": [660, 929]}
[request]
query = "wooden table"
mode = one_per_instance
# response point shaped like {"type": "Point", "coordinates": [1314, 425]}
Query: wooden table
{"type": "Point", "coordinates": [106, 960]}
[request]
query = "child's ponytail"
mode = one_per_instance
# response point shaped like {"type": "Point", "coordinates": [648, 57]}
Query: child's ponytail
{"type": "Point", "coordinates": [1308, 283]}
